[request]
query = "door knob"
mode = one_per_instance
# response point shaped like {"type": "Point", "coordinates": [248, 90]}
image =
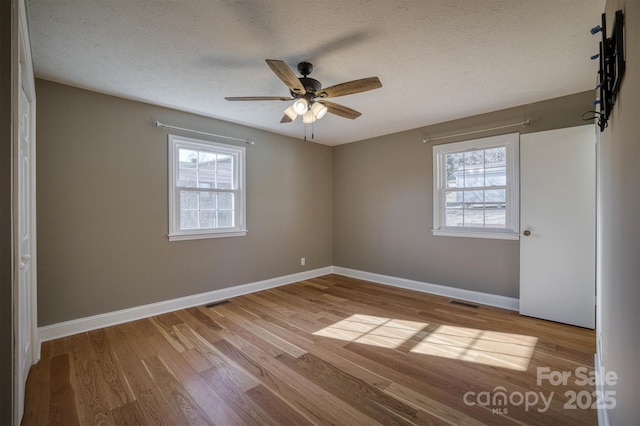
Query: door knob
{"type": "Point", "coordinates": [527, 233]}
{"type": "Point", "coordinates": [26, 256]}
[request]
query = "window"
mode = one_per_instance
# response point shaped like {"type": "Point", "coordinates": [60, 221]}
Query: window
{"type": "Point", "coordinates": [475, 189]}
{"type": "Point", "coordinates": [206, 189]}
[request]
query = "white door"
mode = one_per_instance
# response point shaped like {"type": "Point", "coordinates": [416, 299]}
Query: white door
{"type": "Point", "coordinates": [558, 222]}
{"type": "Point", "coordinates": [26, 348]}
{"type": "Point", "coordinates": [25, 358]}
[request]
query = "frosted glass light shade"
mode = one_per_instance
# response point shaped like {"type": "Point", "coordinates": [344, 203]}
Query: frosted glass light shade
{"type": "Point", "coordinates": [300, 106]}
{"type": "Point", "coordinates": [291, 113]}
{"type": "Point", "coordinates": [318, 110]}
{"type": "Point", "coordinates": [308, 117]}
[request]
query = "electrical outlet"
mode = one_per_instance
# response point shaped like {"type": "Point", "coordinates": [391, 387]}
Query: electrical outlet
{"type": "Point", "coordinates": [303, 261]}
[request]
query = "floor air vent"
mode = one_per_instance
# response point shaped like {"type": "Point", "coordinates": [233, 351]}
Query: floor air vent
{"type": "Point", "coordinates": [468, 305]}
{"type": "Point", "coordinates": [214, 304]}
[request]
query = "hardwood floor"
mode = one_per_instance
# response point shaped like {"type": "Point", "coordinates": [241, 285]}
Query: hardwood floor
{"type": "Point", "coordinates": [331, 350]}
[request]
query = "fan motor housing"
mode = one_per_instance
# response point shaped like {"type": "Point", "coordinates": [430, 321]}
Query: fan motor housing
{"type": "Point", "coordinates": [310, 84]}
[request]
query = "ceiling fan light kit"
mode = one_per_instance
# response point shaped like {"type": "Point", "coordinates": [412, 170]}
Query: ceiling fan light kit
{"type": "Point", "coordinates": [306, 91]}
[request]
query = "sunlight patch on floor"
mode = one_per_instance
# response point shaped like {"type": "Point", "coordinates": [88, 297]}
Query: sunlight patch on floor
{"type": "Point", "coordinates": [371, 330]}
{"type": "Point", "coordinates": [504, 350]}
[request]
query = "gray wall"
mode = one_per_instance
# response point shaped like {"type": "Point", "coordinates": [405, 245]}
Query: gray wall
{"type": "Point", "coordinates": [6, 245]}
{"type": "Point", "coordinates": [383, 203]}
{"type": "Point", "coordinates": [102, 208]}
{"type": "Point", "coordinates": [620, 228]}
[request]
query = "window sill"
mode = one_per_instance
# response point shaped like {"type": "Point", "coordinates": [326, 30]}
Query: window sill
{"type": "Point", "coordinates": [183, 237]}
{"type": "Point", "coordinates": [479, 234]}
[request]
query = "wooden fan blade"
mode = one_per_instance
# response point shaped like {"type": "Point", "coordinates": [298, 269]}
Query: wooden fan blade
{"type": "Point", "coordinates": [341, 110]}
{"type": "Point", "coordinates": [286, 119]}
{"type": "Point", "coordinates": [287, 76]}
{"type": "Point", "coordinates": [350, 87]}
{"type": "Point", "coordinates": [258, 98]}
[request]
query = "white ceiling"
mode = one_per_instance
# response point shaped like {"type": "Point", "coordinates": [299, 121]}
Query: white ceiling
{"type": "Point", "coordinates": [438, 60]}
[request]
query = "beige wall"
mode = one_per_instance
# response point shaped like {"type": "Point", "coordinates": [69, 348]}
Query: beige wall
{"type": "Point", "coordinates": [102, 208]}
{"type": "Point", "coordinates": [383, 204]}
{"type": "Point", "coordinates": [620, 228]}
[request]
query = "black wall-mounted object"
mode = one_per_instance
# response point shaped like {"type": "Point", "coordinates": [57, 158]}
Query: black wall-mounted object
{"type": "Point", "coordinates": [612, 66]}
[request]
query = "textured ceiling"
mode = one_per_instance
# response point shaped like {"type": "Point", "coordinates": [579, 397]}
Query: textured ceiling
{"type": "Point", "coordinates": [438, 60]}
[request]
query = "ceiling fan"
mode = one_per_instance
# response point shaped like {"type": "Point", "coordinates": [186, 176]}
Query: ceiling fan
{"type": "Point", "coordinates": [309, 95]}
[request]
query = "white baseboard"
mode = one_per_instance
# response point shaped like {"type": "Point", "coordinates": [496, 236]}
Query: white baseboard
{"type": "Point", "coordinates": [81, 325]}
{"type": "Point", "coordinates": [440, 290]}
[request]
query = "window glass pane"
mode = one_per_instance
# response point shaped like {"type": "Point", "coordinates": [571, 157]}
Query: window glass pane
{"type": "Point", "coordinates": [187, 178]}
{"type": "Point", "coordinates": [188, 200]}
{"type": "Point", "coordinates": [474, 178]}
{"type": "Point", "coordinates": [225, 172]}
{"type": "Point", "coordinates": [208, 219]}
{"type": "Point", "coordinates": [496, 176]}
{"type": "Point", "coordinates": [225, 161]}
{"type": "Point", "coordinates": [455, 170]}
{"type": "Point", "coordinates": [496, 218]}
{"type": "Point", "coordinates": [188, 219]}
{"type": "Point", "coordinates": [206, 169]}
{"type": "Point", "coordinates": [188, 158]}
{"type": "Point", "coordinates": [225, 201]}
{"type": "Point", "coordinates": [473, 168]}
{"type": "Point", "coordinates": [495, 213]}
{"type": "Point", "coordinates": [206, 178]}
{"type": "Point", "coordinates": [453, 199]}
{"type": "Point", "coordinates": [206, 160]}
{"type": "Point", "coordinates": [188, 166]}
{"type": "Point", "coordinates": [496, 166]}
{"type": "Point", "coordinates": [453, 217]}
{"type": "Point", "coordinates": [495, 156]}
{"type": "Point", "coordinates": [208, 200]}
{"type": "Point", "coordinates": [474, 159]}
{"type": "Point", "coordinates": [495, 197]}
{"type": "Point", "coordinates": [473, 199]}
{"type": "Point", "coordinates": [225, 181]}
{"type": "Point", "coordinates": [474, 218]}
{"type": "Point", "coordinates": [225, 218]}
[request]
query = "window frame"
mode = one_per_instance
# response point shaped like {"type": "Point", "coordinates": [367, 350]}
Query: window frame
{"type": "Point", "coordinates": [512, 205]}
{"type": "Point", "coordinates": [176, 142]}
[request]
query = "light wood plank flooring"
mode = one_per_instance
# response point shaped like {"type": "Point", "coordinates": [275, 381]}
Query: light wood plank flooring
{"type": "Point", "coordinates": [331, 350]}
